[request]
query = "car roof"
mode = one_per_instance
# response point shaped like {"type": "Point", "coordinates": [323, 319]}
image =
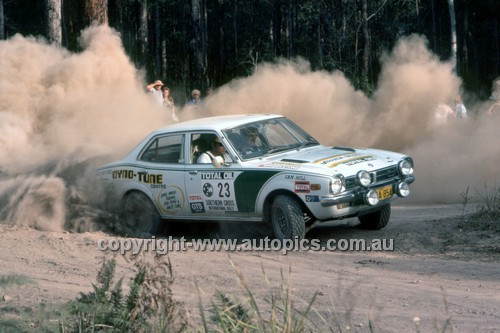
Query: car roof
{"type": "Point", "coordinates": [215, 123]}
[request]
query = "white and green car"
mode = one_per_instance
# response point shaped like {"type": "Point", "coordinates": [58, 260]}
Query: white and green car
{"type": "Point", "coordinates": [272, 172]}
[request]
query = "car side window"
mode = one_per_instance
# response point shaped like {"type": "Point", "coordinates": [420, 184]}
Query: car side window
{"type": "Point", "coordinates": [201, 143]}
{"type": "Point", "coordinates": [165, 149]}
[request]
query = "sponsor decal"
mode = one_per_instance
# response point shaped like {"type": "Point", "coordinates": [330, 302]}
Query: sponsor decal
{"type": "Point", "coordinates": [221, 205]}
{"type": "Point", "coordinates": [312, 198]}
{"type": "Point", "coordinates": [347, 159]}
{"type": "Point", "coordinates": [142, 177]}
{"type": "Point", "coordinates": [150, 179]}
{"type": "Point", "coordinates": [123, 174]}
{"type": "Point", "coordinates": [171, 199]}
{"type": "Point", "coordinates": [302, 186]}
{"type": "Point", "coordinates": [281, 165]}
{"type": "Point", "coordinates": [334, 158]}
{"type": "Point", "coordinates": [295, 177]}
{"type": "Point", "coordinates": [158, 186]}
{"type": "Point", "coordinates": [217, 175]}
{"type": "Point", "coordinates": [208, 189]}
{"type": "Point", "coordinates": [195, 197]}
{"type": "Point", "coordinates": [360, 160]}
{"type": "Point", "coordinates": [197, 207]}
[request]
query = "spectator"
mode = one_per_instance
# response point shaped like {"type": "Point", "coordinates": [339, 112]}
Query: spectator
{"type": "Point", "coordinates": [443, 113]}
{"type": "Point", "coordinates": [155, 89]}
{"type": "Point", "coordinates": [495, 96]}
{"type": "Point", "coordinates": [195, 97]}
{"type": "Point", "coordinates": [168, 104]}
{"type": "Point", "coordinates": [460, 110]}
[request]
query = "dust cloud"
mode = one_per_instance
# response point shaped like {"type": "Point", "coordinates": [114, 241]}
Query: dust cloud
{"type": "Point", "coordinates": [60, 111]}
{"type": "Point", "coordinates": [398, 116]}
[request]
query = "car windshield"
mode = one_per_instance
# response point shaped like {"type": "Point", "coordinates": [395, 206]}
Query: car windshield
{"type": "Point", "coordinates": [268, 137]}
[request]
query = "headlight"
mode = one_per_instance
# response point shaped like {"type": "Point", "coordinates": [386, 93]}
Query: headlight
{"type": "Point", "coordinates": [337, 184]}
{"type": "Point", "coordinates": [403, 189]}
{"type": "Point", "coordinates": [371, 197]}
{"type": "Point", "coordinates": [364, 178]}
{"type": "Point", "coordinates": [405, 167]}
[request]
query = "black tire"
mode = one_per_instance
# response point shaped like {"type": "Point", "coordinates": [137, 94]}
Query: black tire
{"type": "Point", "coordinates": [140, 215]}
{"type": "Point", "coordinates": [376, 220]}
{"type": "Point", "coordinates": [287, 218]}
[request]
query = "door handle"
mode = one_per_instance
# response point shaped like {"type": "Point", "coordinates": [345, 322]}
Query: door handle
{"type": "Point", "coordinates": [193, 172]}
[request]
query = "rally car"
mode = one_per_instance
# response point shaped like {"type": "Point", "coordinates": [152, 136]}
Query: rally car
{"type": "Point", "coordinates": [262, 168]}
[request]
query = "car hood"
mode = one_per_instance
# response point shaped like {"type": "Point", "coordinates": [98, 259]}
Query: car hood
{"type": "Point", "coordinates": [330, 160]}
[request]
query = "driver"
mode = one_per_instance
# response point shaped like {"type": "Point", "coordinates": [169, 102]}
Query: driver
{"type": "Point", "coordinates": [251, 135]}
{"type": "Point", "coordinates": [216, 149]}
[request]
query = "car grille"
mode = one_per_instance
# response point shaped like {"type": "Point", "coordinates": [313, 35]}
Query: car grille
{"type": "Point", "coordinates": [380, 176]}
{"type": "Point", "coordinates": [387, 173]}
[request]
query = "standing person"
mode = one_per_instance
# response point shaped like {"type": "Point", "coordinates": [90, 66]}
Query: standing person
{"type": "Point", "coordinates": [195, 97]}
{"type": "Point", "coordinates": [460, 110]}
{"type": "Point", "coordinates": [168, 103]}
{"type": "Point", "coordinates": [155, 89]}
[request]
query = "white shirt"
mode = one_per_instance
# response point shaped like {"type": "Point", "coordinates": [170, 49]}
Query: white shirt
{"type": "Point", "coordinates": [158, 96]}
{"type": "Point", "coordinates": [460, 111]}
{"type": "Point", "coordinates": [205, 157]}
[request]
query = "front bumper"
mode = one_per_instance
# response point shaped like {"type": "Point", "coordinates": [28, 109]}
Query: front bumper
{"type": "Point", "coordinates": [356, 196]}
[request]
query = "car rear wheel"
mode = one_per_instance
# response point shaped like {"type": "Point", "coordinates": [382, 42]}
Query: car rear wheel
{"type": "Point", "coordinates": [287, 218]}
{"type": "Point", "coordinates": [376, 220]}
{"type": "Point", "coordinates": [140, 215]}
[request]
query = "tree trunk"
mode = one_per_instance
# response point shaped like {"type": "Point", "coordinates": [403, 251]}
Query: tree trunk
{"type": "Point", "coordinates": [199, 42]}
{"type": "Point", "coordinates": [366, 48]}
{"type": "Point", "coordinates": [142, 31]}
{"type": "Point", "coordinates": [289, 30]}
{"type": "Point", "coordinates": [221, 59]}
{"type": "Point", "coordinates": [53, 19]}
{"type": "Point", "coordinates": [157, 48]}
{"type": "Point", "coordinates": [434, 31]}
{"type": "Point", "coordinates": [95, 11]}
{"type": "Point", "coordinates": [235, 27]}
{"type": "Point", "coordinates": [2, 23]}
{"type": "Point", "coordinates": [465, 42]}
{"type": "Point", "coordinates": [320, 46]}
{"type": "Point", "coordinates": [453, 31]}
{"type": "Point", "coordinates": [277, 18]}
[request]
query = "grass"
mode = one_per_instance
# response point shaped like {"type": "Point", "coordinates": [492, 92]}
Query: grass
{"type": "Point", "coordinates": [487, 216]}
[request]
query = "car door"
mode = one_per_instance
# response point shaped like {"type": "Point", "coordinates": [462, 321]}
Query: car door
{"type": "Point", "coordinates": [210, 190]}
{"type": "Point", "coordinates": [161, 169]}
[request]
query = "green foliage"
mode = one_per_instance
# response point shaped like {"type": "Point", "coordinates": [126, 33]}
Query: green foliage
{"type": "Point", "coordinates": [9, 280]}
{"type": "Point", "coordinates": [106, 308]}
{"type": "Point", "coordinates": [280, 313]}
{"type": "Point", "coordinates": [490, 203]}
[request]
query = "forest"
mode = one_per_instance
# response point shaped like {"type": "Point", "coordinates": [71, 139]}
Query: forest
{"type": "Point", "coordinates": [206, 43]}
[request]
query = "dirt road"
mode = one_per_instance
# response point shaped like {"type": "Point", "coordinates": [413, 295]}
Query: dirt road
{"type": "Point", "coordinates": [440, 269]}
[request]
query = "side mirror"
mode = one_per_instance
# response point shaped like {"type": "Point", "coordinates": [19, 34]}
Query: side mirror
{"type": "Point", "coordinates": [218, 161]}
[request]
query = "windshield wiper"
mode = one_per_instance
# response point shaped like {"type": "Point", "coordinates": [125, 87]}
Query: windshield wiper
{"type": "Point", "coordinates": [277, 149]}
{"type": "Point", "coordinates": [308, 143]}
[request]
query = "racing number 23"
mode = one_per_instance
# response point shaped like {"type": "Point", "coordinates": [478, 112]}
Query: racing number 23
{"type": "Point", "coordinates": [224, 190]}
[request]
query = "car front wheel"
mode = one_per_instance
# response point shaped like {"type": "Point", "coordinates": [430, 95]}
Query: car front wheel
{"type": "Point", "coordinates": [287, 218]}
{"type": "Point", "coordinates": [140, 215]}
{"type": "Point", "coordinates": [376, 220]}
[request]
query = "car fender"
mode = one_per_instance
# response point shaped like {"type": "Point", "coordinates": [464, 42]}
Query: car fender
{"type": "Point", "coordinates": [134, 186]}
{"type": "Point", "coordinates": [296, 183]}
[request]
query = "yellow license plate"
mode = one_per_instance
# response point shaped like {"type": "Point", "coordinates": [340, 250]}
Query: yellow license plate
{"type": "Point", "coordinates": [384, 192]}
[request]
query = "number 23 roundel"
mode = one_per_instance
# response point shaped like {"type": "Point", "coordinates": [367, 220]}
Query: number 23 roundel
{"type": "Point", "coordinates": [218, 191]}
